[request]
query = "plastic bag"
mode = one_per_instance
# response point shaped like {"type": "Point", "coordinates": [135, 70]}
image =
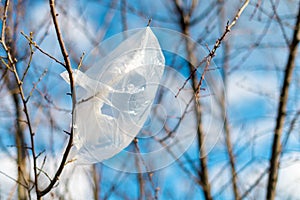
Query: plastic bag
{"type": "Point", "coordinates": [114, 97]}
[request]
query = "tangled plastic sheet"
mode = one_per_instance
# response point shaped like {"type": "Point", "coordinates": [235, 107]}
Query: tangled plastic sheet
{"type": "Point", "coordinates": [114, 97]}
{"type": "Point", "coordinates": [128, 90]}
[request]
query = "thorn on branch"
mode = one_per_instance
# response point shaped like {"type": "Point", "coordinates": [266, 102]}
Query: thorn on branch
{"type": "Point", "coordinates": [149, 22]}
{"type": "Point", "coordinates": [80, 61]}
{"type": "Point", "coordinates": [68, 133]}
{"type": "Point", "coordinates": [70, 161]}
{"type": "Point", "coordinates": [227, 24]}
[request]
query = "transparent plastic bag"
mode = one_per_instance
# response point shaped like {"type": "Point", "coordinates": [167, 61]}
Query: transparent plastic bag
{"type": "Point", "coordinates": [114, 97]}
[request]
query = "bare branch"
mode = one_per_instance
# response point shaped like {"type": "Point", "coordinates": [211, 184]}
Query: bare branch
{"type": "Point", "coordinates": [12, 65]}
{"type": "Point", "coordinates": [96, 186]}
{"type": "Point", "coordinates": [203, 172]}
{"type": "Point", "coordinates": [35, 85]}
{"type": "Point", "coordinates": [281, 113]}
{"type": "Point", "coordinates": [4, 174]}
{"type": "Point", "coordinates": [72, 87]}
{"type": "Point", "coordinates": [227, 131]}
{"type": "Point", "coordinates": [217, 44]}
{"type": "Point", "coordinates": [31, 42]}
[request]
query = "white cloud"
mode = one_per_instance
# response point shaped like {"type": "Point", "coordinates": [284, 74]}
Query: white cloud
{"type": "Point", "coordinates": [245, 86]}
{"type": "Point", "coordinates": [288, 181]}
{"type": "Point", "coordinates": [6, 184]}
{"type": "Point", "coordinates": [74, 183]}
{"type": "Point", "coordinates": [74, 28]}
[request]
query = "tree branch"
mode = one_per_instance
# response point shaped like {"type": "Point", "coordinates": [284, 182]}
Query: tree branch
{"type": "Point", "coordinates": [72, 87]}
{"type": "Point", "coordinates": [217, 44]}
{"type": "Point", "coordinates": [203, 170]}
{"type": "Point", "coordinates": [227, 131]}
{"type": "Point", "coordinates": [19, 84]}
{"type": "Point", "coordinates": [281, 113]}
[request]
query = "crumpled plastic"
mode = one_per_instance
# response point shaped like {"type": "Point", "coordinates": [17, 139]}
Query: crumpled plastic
{"type": "Point", "coordinates": [115, 96]}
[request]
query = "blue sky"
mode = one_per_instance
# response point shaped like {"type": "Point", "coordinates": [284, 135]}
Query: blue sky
{"type": "Point", "coordinates": [252, 92]}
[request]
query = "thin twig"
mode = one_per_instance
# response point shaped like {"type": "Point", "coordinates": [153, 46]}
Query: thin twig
{"type": "Point", "coordinates": [217, 44]}
{"type": "Point", "coordinates": [4, 174]}
{"type": "Point", "coordinates": [45, 173]}
{"type": "Point", "coordinates": [203, 170]}
{"type": "Point", "coordinates": [35, 85]}
{"type": "Point", "coordinates": [278, 19]}
{"type": "Point", "coordinates": [41, 50]}
{"type": "Point", "coordinates": [257, 181]}
{"type": "Point", "coordinates": [222, 102]}
{"type": "Point", "coordinates": [30, 58]}
{"type": "Point", "coordinates": [80, 61]}
{"type": "Point", "coordinates": [139, 174]}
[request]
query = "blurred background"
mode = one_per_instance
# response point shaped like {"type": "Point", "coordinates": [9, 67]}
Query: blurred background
{"type": "Point", "coordinates": [230, 123]}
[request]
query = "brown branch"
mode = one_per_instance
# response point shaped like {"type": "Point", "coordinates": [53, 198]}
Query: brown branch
{"type": "Point", "coordinates": [289, 131]}
{"type": "Point", "coordinates": [35, 85]}
{"type": "Point", "coordinates": [80, 61]}
{"type": "Point", "coordinates": [30, 59]}
{"type": "Point", "coordinates": [6, 175]}
{"type": "Point", "coordinates": [141, 183]}
{"type": "Point", "coordinates": [219, 41]}
{"type": "Point", "coordinates": [185, 22]}
{"type": "Point", "coordinates": [139, 161]}
{"type": "Point", "coordinates": [179, 162]}
{"type": "Point", "coordinates": [227, 131]}
{"type": "Point", "coordinates": [96, 185]}
{"type": "Point", "coordinates": [231, 158]}
{"type": "Point", "coordinates": [257, 181]}
{"type": "Point", "coordinates": [31, 42]}
{"type": "Point", "coordinates": [281, 115]}
{"type": "Point", "coordinates": [280, 23]}
{"type": "Point", "coordinates": [217, 44]}
{"type": "Point", "coordinates": [12, 65]}
{"type": "Point", "coordinates": [72, 88]}
{"type": "Point", "coordinates": [203, 174]}
{"type": "Point", "coordinates": [4, 19]}
{"type": "Point", "coordinates": [21, 150]}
